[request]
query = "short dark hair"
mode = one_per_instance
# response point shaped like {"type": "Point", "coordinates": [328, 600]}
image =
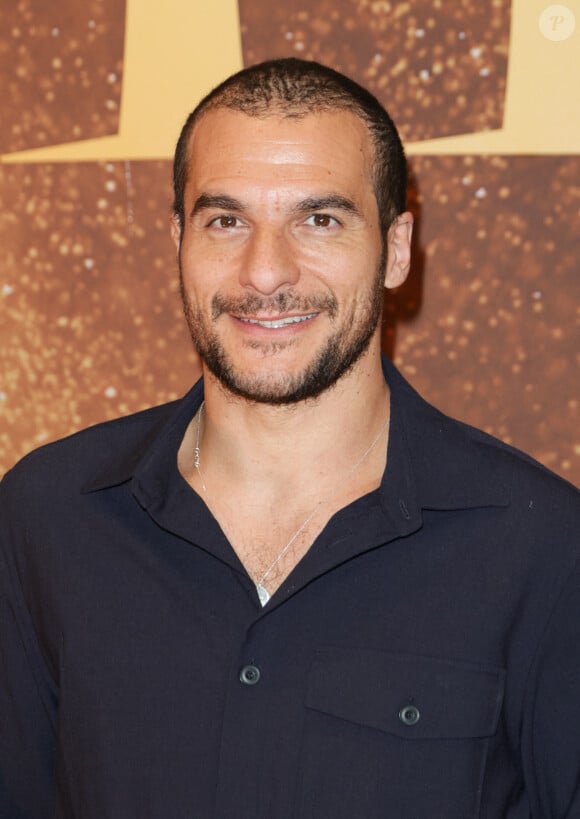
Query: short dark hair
{"type": "Point", "coordinates": [293, 88]}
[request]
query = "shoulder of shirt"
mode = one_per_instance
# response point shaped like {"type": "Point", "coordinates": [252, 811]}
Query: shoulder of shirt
{"type": "Point", "coordinates": [526, 471]}
{"type": "Point", "coordinates": [449, 454]}
{"type": "Point", "coordinates": [72, 461]}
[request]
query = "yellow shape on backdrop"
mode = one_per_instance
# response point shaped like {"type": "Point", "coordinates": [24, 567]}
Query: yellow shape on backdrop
{"type": "Point", "coordinates": [542, 106]}
{"type": "Point", "coordinates": [171, 61]}
{"type": "Point", "coordinates": [175, 52]}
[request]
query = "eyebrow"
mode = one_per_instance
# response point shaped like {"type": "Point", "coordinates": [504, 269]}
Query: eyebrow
{"type": "Point", "coordinates": [220, 201]}
{"type": "Point", "coordinates": [333, 201]}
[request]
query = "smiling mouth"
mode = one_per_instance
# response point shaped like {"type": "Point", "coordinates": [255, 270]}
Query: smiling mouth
{"type": "Point", "coordinates": [275, 324]}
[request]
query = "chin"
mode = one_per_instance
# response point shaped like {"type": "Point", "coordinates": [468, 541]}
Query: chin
{"type": "Point", "coordinates": [265, 387]}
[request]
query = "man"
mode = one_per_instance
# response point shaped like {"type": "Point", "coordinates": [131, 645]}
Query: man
{"type": "Point", "coordinates": [300, 591]}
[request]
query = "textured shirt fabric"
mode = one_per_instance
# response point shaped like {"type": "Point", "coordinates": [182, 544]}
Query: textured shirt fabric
{"type": "Point", "coordinates": [422, 660]}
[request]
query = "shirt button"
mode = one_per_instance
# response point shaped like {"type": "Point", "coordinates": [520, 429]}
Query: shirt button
{"type": "Point", "coordinates": [409, 715]}
{"type": "Point", "coordinates": [249, 675]}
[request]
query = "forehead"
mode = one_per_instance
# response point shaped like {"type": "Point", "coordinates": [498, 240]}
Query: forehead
{"type": "Point", "coordinates": [332, 148]}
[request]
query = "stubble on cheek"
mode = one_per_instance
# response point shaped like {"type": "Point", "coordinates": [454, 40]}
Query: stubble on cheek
{"type": "Point", "coordinates": [345, 344]}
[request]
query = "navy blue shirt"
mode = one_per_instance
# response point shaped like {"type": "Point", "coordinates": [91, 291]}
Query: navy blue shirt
{"type": "Point", "coordinates": [422, 660]}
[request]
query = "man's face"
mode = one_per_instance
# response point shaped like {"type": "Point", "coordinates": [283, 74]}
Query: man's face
{"type": "Point", "coordinates": [281, 257]}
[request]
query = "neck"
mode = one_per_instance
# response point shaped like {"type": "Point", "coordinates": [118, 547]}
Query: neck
{"type": "Point", "coordinates": [276, 448]}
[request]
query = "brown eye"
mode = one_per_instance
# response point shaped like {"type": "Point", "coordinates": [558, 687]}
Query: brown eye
{"type": "Point", "coordinates": [227, 221]}
{"type": "Point", "coordinates": [223, 222]}
{"type": "Point", "coordinates": [321, 220]}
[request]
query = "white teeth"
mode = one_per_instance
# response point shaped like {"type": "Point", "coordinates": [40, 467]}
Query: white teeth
{"type": "Point", "coordinates": [276, 323]}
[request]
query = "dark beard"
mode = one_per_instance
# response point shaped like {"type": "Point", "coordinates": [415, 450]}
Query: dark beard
{"type": "Point", "coordinates": [341, 351]}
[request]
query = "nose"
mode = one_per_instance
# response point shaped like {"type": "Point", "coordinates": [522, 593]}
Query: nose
{"type": "Point", "coordinates": [269, 261]}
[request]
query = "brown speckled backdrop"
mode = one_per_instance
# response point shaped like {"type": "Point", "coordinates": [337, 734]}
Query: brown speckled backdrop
{"type": "Point", "coordinates": [491, 331]}
{"type": "Point", "coordinates": [440, 68]}
{"type": "Point", "coordinates": [61, 67]}
{"type": "Point", "coordinates": [487, 326]}
{"type": "Point", "coordinates": [91, 319]}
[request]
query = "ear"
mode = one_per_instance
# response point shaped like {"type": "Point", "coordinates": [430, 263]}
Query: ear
{"type": "Point", "coordinates": [175, 229]}
{"type": "Point", "coordinates": [399, 250]}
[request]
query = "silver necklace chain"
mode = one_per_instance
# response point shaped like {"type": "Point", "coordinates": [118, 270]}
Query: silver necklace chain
{"type": "Point", "coordinates": [261, 590]}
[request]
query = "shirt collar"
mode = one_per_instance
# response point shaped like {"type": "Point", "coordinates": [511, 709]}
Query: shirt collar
{"type": "Point", "coordinates": [434, 462]}
{"type": "Point", "coordinates": [450, 464]}
{"type": "Point", "coordinates": [148, 456]}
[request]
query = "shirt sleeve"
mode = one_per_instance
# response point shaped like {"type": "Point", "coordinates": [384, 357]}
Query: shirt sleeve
{"type": "Point", "coordinates": [551, 732]}
{"type": "Point", "coordinates": [27, 701]}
